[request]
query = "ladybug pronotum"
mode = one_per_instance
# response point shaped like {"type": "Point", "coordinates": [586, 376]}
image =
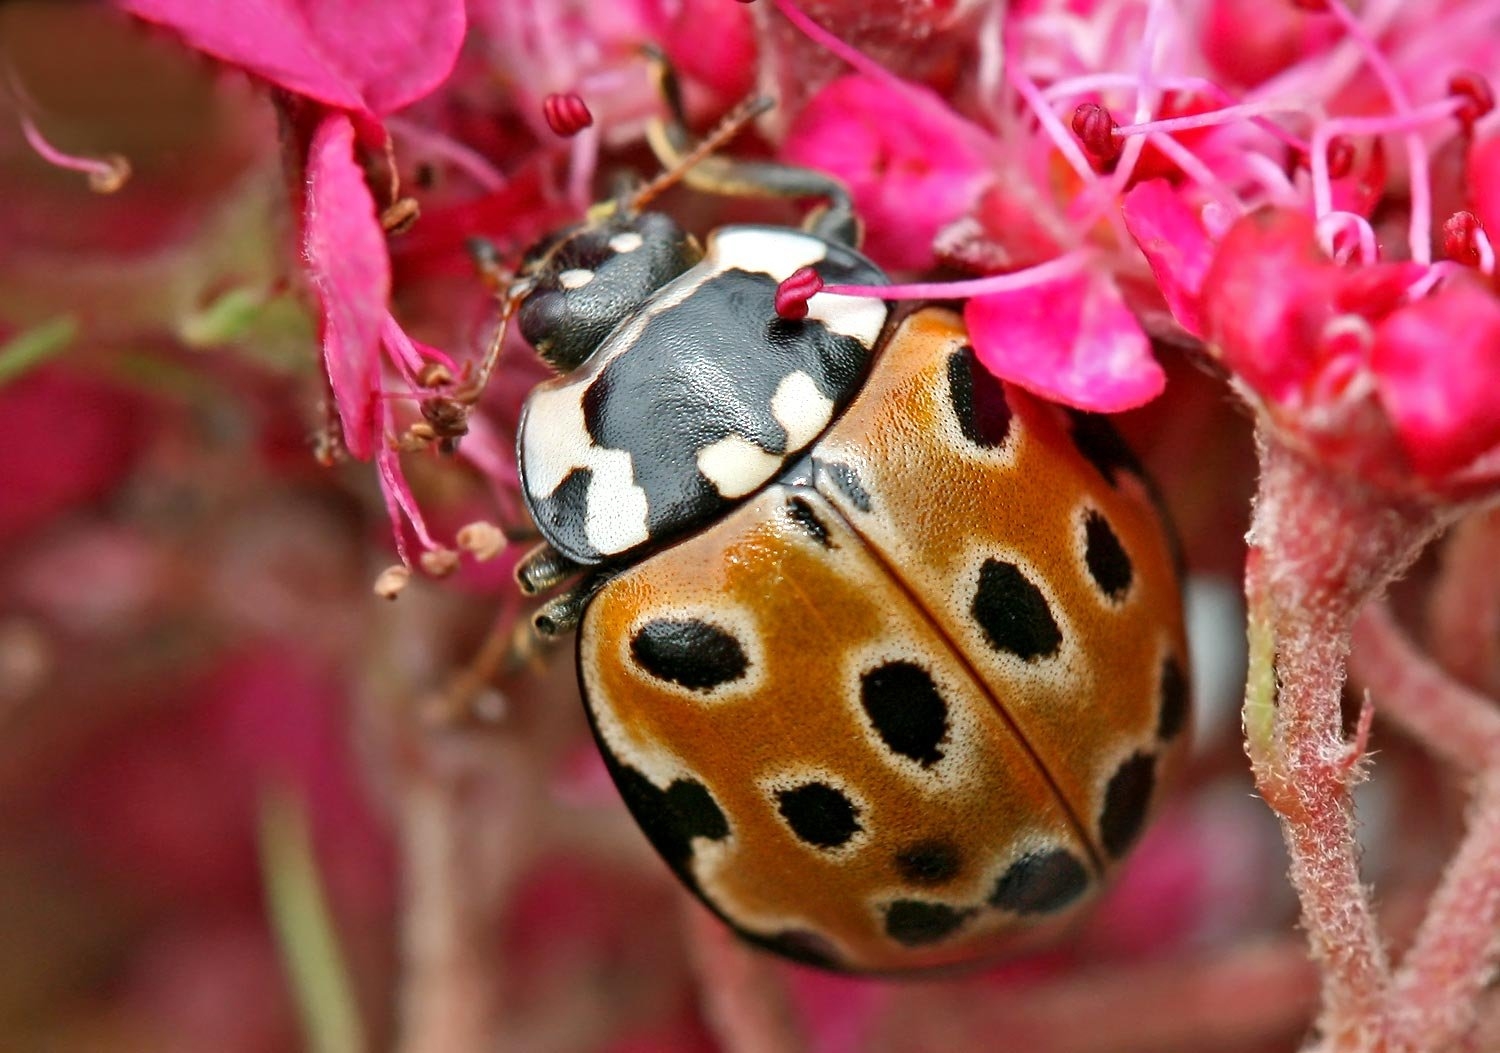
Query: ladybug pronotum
{"type": "Point", "coordinates": [885, 656]}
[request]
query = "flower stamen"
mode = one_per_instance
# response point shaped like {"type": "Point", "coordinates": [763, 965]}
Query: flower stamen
{"type": "Point", "coordinates": [105, 174]}
{"type": "Point", "coordinates": [1039, 274]}
{"type": "Point", "coordinates": [566, 113]}
{"type": "Point", "coordinates": [793, 293]}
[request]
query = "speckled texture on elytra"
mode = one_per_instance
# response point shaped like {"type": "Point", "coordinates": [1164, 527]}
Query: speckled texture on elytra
{"type": "Point", "coordinates": [892, 711]}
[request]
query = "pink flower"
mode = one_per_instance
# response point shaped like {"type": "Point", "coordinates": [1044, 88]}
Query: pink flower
{"type": "Point", "coordinates": [912, 165]}
{"type": "Point", "coordinates": [345, 66]}
{"type": "Point", "coordinates": [1354, 360]}
{"type": "Point", "coordinates": [367, 57]}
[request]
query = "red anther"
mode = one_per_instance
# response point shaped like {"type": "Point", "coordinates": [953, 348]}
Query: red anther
{"type": "Point", "coordinates": [1461, 238]}
{"type": "Point", "coordinates": [567, 114]}
{"type": "Point", "coordinates": [1478, 98]}
{"type": "Point", "coordinates": [1340, 157]}
{"type": "Point", "coordinates": [1318, 6]}
{"type": "Point", "coordinates": [793, 293]}
{"type": "Point", "coordinates": [1095, 129]}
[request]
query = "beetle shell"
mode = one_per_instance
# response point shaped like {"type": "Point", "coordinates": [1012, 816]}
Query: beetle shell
{"type": "Point", "coordinates": [915, 698]}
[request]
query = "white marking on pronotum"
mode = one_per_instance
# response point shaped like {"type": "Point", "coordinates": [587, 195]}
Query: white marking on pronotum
{"type": "Point", "coordinates": [557, 443]}
{"type": "Point", "coordinates": [735, 465]}
{"type": "Point", "coordinates": [625, 241]}
{"type": "Point", "coordinates": [801, 409]}
{"type": "Point", "coordinates": [575, 279]}
{"type": "Point", "coordinates": [779, 253]}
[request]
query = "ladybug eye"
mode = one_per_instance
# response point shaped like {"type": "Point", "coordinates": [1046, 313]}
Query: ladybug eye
{"type": "Point", "coordinates": [588, 281]}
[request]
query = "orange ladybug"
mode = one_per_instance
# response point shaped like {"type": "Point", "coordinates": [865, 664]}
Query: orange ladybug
{"type": "Point", "coordinates": [885, 656]}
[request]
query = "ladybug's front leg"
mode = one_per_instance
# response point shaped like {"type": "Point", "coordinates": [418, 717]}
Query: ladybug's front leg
{"type": "Point", "coordinates": [543, 569]}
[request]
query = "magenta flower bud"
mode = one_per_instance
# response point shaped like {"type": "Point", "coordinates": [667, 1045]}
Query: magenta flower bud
{"type": "Point", "coordinates": [567, 114]}
{"type": "Point", "coordinates": [1478, 98]}
{"type": "Point", "coordinates": [792, 294]}
{"type": "Point", "coordinates": [1095, 129]}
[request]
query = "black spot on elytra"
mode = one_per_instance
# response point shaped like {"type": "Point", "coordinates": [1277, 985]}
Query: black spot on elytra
{"type": "Point", "coordinates": [1105, 557]}
{"type": "Point", "coordinates": [1013, 612]}
{"type": "Point", "coordinates": [803, 515]}
{"type": "Point", "coordinates": [913, 923]}
{"type": "Point", "coordinates": [1126, 800]}
{"type": "Point", "coordinates": [928, 862]}
{"type": "Point", "coordinates": [978, 399]}
{"type": "Point", "coordinates": [846, 479]}
{"type": "Point", "coordinates": [1173, 690]}
{"type": "Point", "coordinates": [1040, 883]}
{"type": "Point", "coordinates": [906, 710]}
{"type": "Point", "coordinates": [670, 818]}
{"type": "Point", "coordinates": [689, 652]}
{"type": "Point", "coordinates": [819, 814]}
{"type": "Point", "coordinates": [1101, 445]}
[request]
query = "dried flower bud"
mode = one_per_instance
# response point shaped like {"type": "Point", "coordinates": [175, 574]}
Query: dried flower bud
{"type": "Point", "coordinates": [482, 540]}
{"type": "Point", "coordinates": [398, 219]}
{"type": "Point", "coordinates": [439, 562]}
{"type": "Point", "coordinates": [434, 375]}
{"type": "Point", "coordinates": [793, 293]}
{"type": "Point", "coordinates": [390, 581]}
{"type": "Point", "coordinates": [1095, 129]}
{"type": "Point", "coordinates": [567, 114]}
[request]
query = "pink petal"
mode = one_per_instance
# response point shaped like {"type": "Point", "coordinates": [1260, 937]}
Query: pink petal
{"type": "Point", "coordinates": [912, 164]}
{"type": "Point", "coordinates": [1175, 244]}
{"type": "Point", "coordinates": [371, 56]}
{"type": "Point", "coordinates": [1438, 366]}
{"type": "Point", "coordinates": [349, 268]}
{"type": "Point", "coordinates": [1071, 340]}
{"type": "Point", "coordinates": [1266, 298]}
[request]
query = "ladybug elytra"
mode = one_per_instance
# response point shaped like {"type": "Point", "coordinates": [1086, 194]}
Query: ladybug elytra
{"type": "Point", "coordinates": [885, 656]}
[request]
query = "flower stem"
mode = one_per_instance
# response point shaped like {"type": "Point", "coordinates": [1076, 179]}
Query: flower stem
{"type": "Point", "coordinates": [1321, 545]}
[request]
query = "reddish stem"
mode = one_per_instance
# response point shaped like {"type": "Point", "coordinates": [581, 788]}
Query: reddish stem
{"type": "Point", "coordinates": [1460, 725]}
{"type": "Point", "coordinates": [1452, 960]}
{"type": "Point", "coordinates": [1464, 609]}
{"type": "Point", "coordinates": [742, 995]}
{"type": "Point", "coordinates": [1322, 544]}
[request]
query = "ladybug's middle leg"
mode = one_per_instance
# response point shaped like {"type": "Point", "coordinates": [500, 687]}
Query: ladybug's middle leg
{"type": "Point", "coordinates": [674, 146]}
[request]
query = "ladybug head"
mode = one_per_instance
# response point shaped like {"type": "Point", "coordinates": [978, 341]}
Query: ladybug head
{"type": "Point", "coordinates": [586, 279]}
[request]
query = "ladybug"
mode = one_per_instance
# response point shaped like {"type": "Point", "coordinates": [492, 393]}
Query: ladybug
{"type": "Point", "coordinates": [884, 655]}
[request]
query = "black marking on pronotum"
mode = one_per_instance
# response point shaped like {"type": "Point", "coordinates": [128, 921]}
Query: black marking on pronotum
{"type": "Point", "coordinates": [1013, 612]}
{"type": "Point", "coordinates": [1173, 691]}
{"type": "Point", "coordinates": [978, 400]}
{"type": "Point", "coordinates": [915, 923]}
{"type": "Point", "coordinates": [819, 814]}
{"type": "Point", "coordinates": [928, 862]}
{"type": "Point", "coordinates": [802, 514]}
{"type": "Point", "coordinates": [1127, 798]}
{"type": "Point", "coordinates": [906, 710]}
{"type": "Point", "coordinates": [846, 480]}
{"type": "Point", "coordinates": [1105, 557]}
{"type": "Point", "coordinates": [1040, 883]}
{"type": "Point", "coordinates": [690, 652]}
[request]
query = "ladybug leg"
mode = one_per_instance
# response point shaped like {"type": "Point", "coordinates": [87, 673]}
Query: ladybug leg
{"type": "Point", "coordinates": [678, 152]}
{"type": "Point", "coordinates": [541, 569]}
{"type": "Point", "coordinates": [562, 614]}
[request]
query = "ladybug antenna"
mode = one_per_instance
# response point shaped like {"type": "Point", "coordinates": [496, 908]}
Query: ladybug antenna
{"type": "Point", "coordinates": [668, 144]}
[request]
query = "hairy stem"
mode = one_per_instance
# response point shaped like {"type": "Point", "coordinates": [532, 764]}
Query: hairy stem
{"type": "Point", "coordinates": [1321, 545]}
